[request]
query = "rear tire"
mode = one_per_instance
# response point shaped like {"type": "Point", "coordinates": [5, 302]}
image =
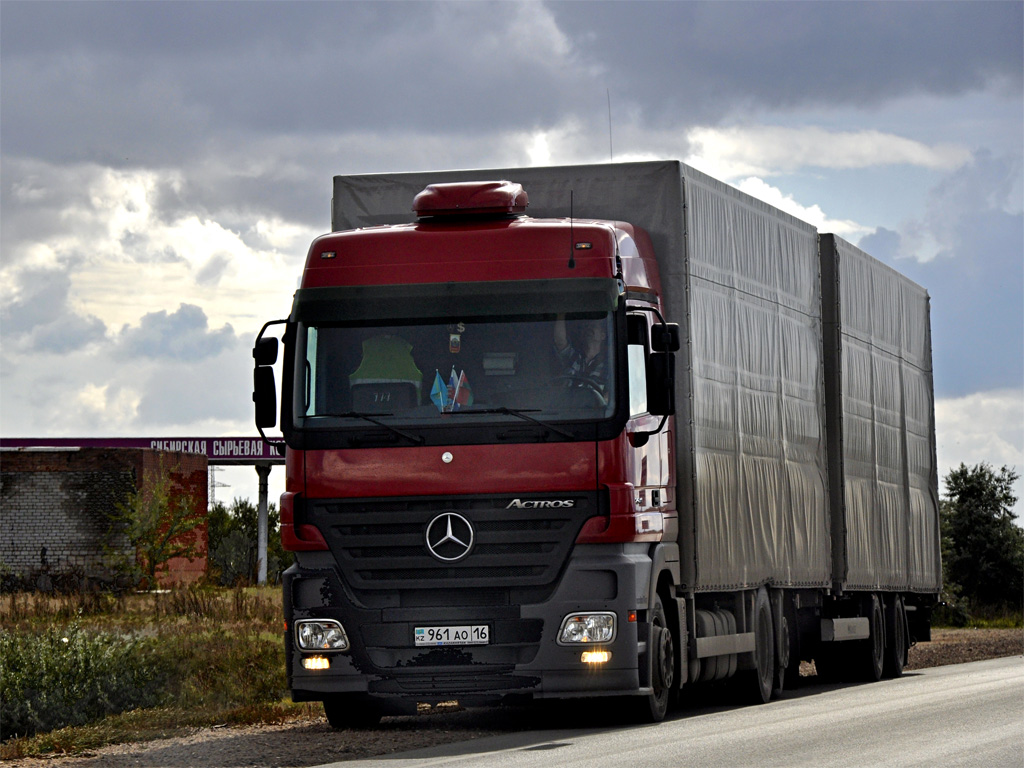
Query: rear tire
{"type": "Point", "coordinates": [756, 684]}
{"type": "Point", "coordinates": [351, 711]}
{"type": "Point", "coordinates": [896, 644]}
{"type": "Point", "coordinates": [782, 658]}
{"type": "Point", "coordinates": [872, 651]}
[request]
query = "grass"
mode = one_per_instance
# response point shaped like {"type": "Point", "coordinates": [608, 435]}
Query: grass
{"type": "Point", "coordinates": [219, 649]}
{"type": "Point", "coordinates": [1008, 621]}
{"type": "Point", "coordinates": [191, 657]}
{"type": "Point", "coordinates": [961, 614]}
{"type": "Point", "coordinates": [149, 724]}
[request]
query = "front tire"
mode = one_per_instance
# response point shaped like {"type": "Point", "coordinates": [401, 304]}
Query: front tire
{"type": "Point", "coordinates": [653, 707]}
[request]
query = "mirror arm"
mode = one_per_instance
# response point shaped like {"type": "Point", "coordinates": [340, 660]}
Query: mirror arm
{"type": "Point", "coordinates": [639, 439]}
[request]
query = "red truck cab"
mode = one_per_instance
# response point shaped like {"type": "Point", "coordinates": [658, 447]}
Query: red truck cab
{"type": "Point", "coordinates": [480, 488]}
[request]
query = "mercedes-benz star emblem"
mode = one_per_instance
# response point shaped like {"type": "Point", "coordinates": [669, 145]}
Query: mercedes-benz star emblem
{"type": "Point", "coordinates": [449, 537]}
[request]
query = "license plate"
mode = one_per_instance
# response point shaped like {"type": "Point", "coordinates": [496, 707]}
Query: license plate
{"type": "Point", "coordinates": [476, 634]}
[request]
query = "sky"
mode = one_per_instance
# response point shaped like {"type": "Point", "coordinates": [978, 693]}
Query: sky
{"type": "Point", "coordinates": [164, 166]}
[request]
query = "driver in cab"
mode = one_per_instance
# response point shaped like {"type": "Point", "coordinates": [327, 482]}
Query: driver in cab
{"type": "Point", "coordinates": [586, 365]}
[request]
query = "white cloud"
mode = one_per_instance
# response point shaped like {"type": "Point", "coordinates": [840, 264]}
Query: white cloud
{"type": "Point", "coordinates": [813, 214]}
{"type": "Point", "coordinates": [981, 427]}
{"type": "Point", "coordinates": [765, 150]}
{"type": "Point", "coordinates": [115, 407]}
{"type": "Point", "coordinates": [126, 257]}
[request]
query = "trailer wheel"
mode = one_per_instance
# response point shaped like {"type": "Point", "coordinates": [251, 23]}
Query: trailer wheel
{"type": "Point", "coordinates": [757, 684]}
{"type": "Point", "coordinates": [782, 660]}
{"type": "Point", "coordinates": [653, 707]}
{"type": "Point", "coordinates": [791, 676]}
{"type": "Point", "coordinates": [351, 711]}
{"type": "Point", "coordinates": [896, 645]}
{"type": "Point", "coordinates": [872, 650]}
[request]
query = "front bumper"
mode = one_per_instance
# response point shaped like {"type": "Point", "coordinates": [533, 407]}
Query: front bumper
{"type": "Point", "coordinates": [523, 656]}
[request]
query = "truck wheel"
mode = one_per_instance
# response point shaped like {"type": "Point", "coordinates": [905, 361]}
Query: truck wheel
{"type": "Point", "coordinates": [756, 684]}
{"type": "Point", "coordinates": [351, 711]}
{"type": "Point", "coordinates": [653, 707]}
{"type": "Point", "coordinates": [782, 660]}
{"type": "Point", "coordinates": [896, 645]}
{"type": "Point", "coordinates": [791, 675]}
{"type": "Point", "coordinates": [872, 650]}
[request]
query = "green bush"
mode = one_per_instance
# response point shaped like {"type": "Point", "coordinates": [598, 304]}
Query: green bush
{"type": "Point", "coordinates": [68, 676]}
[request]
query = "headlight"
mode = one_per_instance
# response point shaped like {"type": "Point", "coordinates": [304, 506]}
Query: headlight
{"type": "Point", "coordinates": [320, 635]}
{"type": "Point", "coordinates": [587, 628]}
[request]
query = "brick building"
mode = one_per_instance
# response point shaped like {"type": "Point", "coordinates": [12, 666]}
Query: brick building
{"type": "Point", "coordinates": [55, 506]}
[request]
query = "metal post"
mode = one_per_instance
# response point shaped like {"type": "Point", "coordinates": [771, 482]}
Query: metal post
{"type": "Point", "coordinates": [263, 470]}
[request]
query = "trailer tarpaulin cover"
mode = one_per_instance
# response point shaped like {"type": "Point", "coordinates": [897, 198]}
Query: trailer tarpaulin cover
{"type": "Point", "coordinates": [760, 505]}
{"type": "Point", "coordinates": [884, 490]}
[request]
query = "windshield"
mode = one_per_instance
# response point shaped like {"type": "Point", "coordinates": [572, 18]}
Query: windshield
{"type": "Point", "coordinates": [476, 370]}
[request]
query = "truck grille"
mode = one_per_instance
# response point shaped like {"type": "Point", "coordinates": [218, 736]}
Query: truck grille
{"type": "Point", "coordinates": [380, 544]}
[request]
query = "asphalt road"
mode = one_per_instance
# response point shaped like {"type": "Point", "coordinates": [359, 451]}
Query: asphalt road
{"type": "Point", "coordinates": [962, 715]}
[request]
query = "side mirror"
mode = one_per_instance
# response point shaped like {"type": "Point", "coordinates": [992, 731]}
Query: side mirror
{"type": "Point", "coordinates": [265, 351]}
{"type": "Point", "coordinates": [264, 388]}
{"type": "Point", "coordinates": [264, 395]}
{"type": "Point", "coordinates": [665, 337]}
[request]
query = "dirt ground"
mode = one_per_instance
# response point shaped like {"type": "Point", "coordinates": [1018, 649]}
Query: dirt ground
{"type": "Point", "coordinates": [314, 742]}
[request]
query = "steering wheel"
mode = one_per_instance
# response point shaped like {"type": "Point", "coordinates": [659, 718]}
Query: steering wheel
{"type": "Point", "coordinates": [579, 381]}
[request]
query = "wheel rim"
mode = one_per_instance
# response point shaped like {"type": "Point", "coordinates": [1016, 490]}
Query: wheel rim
{"type": "Point", "coordinates": [666, 662]}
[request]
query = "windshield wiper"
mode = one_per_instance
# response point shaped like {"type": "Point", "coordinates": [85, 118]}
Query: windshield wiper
{"type": "Point", "coordinates": [522, 414]}
{"type": "Point", "coordinates": [370, 418]}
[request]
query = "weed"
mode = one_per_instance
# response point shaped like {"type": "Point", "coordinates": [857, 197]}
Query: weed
{"type": "Point", "coordinates": [67, 676]}
{"type": "Point", "coordinates": [213, 653]}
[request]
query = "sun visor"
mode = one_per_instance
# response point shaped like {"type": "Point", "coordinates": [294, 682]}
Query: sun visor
{"type": "Point", "coordinates": [425, 301]}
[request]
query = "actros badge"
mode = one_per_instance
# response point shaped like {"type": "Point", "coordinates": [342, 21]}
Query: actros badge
{"type": "Point", "coordinates": [450, 537]}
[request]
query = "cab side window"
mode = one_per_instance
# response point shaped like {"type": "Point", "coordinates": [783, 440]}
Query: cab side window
{"type": "Point", "coordinates": [637, 351]}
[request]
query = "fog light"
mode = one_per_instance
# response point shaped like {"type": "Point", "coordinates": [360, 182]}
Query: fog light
{"type": "Point", "coordinates": [596, 657]}
{"type": "Point", "coordinates": [320, 635]}
{"type": "Point", "coordinates": [587, 628]}
{"type": "Point", "coordinates": [316, 662]}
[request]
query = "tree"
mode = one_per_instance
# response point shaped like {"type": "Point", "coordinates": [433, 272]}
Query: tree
{"type": "Point", "coordinates": [160, 521]}
{"type": "Point", "coordinates": [233, 534]}
{"type": "Point", "coordinates": [983, 549]}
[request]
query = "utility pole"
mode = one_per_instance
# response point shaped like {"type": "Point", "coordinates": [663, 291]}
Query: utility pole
{"type": "Point", "coordinates": [263, 470]}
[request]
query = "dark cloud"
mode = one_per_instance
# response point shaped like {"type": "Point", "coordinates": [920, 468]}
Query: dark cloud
{"type": "Point", "coordinates": [259, 103]}
{"type": "Point", "coordinates": [706, 60]}
{"type": "Point", "coordinates": [182, 335]}
{"type": "Point", "coordinates": [976, 281]}
{"type": "Point", "coordinates": [149, 83]}
{"type": "Point", "coordinates": [40, 318]}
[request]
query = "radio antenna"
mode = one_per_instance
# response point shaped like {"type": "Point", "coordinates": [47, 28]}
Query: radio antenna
{"type": "Point", "coordinates": [611, 155]}
{"type": "Point", "coordinates": [572, 239]}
